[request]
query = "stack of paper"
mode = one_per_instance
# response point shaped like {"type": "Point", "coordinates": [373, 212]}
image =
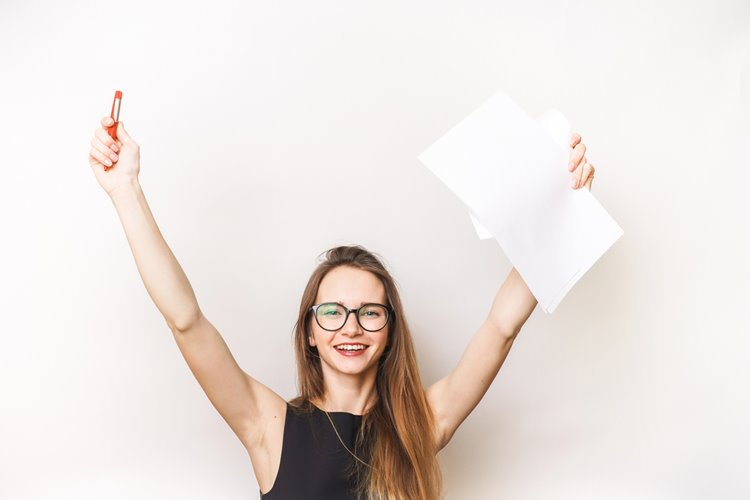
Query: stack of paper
{"type": "Point", "coordinates": [511, 172]}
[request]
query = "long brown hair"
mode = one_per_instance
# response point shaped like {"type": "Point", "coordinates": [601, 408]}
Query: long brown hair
{"type": "Point", "coordinates": [397, 434]}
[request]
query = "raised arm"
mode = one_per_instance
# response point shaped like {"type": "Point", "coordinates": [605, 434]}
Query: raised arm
{"type": "Point", "coordinates": [455, 396]}
{"type": "Point", "coordinates": [241, 400]}
{"type": "Point", "coordinates": [164, 279]}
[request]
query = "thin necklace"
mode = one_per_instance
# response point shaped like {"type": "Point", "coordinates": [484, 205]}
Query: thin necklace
{"type": "Point", "coordinates": [342, 441]}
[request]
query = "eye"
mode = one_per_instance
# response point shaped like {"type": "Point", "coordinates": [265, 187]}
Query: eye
{"type": "Point", "coordinates": [372, 312]}
{"type": "Point", "coordinates": [330, 311]}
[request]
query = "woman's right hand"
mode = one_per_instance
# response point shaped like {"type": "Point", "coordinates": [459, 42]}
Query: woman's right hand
{"type": "Point", "coordinates": [124, 155]}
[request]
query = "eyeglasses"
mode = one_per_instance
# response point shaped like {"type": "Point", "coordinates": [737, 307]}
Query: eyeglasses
{"type": "Point", "coordinates": [332, 316]}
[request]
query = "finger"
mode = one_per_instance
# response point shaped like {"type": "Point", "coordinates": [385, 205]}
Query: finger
{"type": "Point", "coordinates": [104, 137]}
{"type": "Point", "coordinates": [576, 155]}
{"type": "Point", "coordinates": [589, 181]}
{"type": "Point", "coordinates": [575, 138]}
{"type": "Point", "coordinates": [107, 123]}
{"type": "Point", "coordinates": [577, 176]}
{"type": "Point", "coordinates": [97, 158]}
{"type": "Point", "coordinates": [122, 134]}
{"type": "Point", "coordinates": [105, 150]}
{"type": "Point", "coordinates": [587, 172]}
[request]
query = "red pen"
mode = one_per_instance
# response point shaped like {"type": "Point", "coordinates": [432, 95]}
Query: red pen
{"type": "Point", "coordinates": [115, 115]}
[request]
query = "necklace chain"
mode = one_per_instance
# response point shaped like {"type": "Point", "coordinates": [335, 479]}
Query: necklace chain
{"type": "Point", "coordinates": [342, 441]}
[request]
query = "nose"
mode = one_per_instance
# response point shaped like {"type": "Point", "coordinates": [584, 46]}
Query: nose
{"type": "Point", "coordinates": [352, 325]}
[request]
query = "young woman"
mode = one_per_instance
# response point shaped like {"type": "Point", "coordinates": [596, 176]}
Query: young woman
{"type": "Point", "coordinates": [362, 426]}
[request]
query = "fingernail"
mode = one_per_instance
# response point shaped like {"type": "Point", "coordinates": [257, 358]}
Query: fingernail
{"type": "Point", "coordinates": [573, 183]}
{"type": "Point", "coordinates": [114, 148]}
{"type": "Point", "coordinates": [109, 163]}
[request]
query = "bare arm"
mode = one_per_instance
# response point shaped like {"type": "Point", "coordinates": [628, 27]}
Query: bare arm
{"type": "Point", "coordinates": [162, 275]}
{"type": "Point", "coordinates": [242, 401]}
{"type": "Point", "coordinates": [455, 396]}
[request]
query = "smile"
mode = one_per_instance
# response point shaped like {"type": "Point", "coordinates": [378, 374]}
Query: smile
{"type": "Point", "coordinates": [351, 349]}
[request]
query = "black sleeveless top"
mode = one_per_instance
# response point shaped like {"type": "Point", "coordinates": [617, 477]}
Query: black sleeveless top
{"type": "Point", "coordinates": [313, 464]}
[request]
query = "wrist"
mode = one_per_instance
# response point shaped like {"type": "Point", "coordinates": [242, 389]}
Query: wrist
{"type": "Point", "coordinates": [127, 189]}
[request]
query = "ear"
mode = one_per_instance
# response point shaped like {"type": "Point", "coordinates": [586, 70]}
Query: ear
{"type": "Point", "coordinates": [311, 341]}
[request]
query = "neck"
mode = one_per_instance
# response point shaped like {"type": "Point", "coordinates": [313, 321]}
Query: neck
{"type": "Point", "coordinates": [346, 392]}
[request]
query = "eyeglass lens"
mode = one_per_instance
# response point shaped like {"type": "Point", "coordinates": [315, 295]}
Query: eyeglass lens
{"type": "Point", "coordinates": [371, 317]}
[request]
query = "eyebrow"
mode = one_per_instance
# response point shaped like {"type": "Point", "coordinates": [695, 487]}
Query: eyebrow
{"type": "Point", "coordinates": [361, 303]}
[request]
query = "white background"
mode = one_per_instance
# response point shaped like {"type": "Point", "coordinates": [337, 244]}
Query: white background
{"type": "Point", "coordinates": [271, 131]}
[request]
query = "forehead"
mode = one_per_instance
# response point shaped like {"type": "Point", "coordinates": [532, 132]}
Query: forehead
{"type": "Point", "coordinates": [350, 286]}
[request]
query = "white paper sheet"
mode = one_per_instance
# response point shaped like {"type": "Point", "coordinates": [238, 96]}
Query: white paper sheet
{"type": "Point", "coordinates": [558, 127]}
{"type": "Point", "coordinates": [511, 172]}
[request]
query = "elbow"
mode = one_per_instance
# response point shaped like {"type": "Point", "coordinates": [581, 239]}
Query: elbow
{"type": "Point", "coordinates": [185, 323]}
{"type": "Point", "coordinates": [510, 333]}
{"type": "Point", "coordinates": [505, 329]}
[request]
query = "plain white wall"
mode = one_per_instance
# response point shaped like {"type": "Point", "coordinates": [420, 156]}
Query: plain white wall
{"type": "Point", "coordinates": [270, 132]}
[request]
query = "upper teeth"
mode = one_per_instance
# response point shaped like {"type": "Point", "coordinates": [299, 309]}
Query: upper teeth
{"type": "Point", "coordinates": [351, 347]}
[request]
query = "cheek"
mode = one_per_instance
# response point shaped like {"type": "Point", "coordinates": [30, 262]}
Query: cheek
{"type": "Point", "coordinates": [385, 341]}
{"type": "Point", "coordinates": [317, 336]}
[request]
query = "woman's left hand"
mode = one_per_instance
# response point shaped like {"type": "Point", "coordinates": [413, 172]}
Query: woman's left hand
{"type": "Point", "coordinates": [582, 172]}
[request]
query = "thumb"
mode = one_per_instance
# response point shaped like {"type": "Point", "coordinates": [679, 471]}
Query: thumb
{"type": "Point", "coordinates": [122, 134]}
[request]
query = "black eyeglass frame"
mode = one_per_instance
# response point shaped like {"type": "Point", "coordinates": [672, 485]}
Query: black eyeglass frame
{"type": "Point", "coordinates": [388, 313]}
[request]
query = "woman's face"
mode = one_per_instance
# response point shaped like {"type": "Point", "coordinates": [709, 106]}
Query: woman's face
{"type": "Point", "coordinates": [351, 287]}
